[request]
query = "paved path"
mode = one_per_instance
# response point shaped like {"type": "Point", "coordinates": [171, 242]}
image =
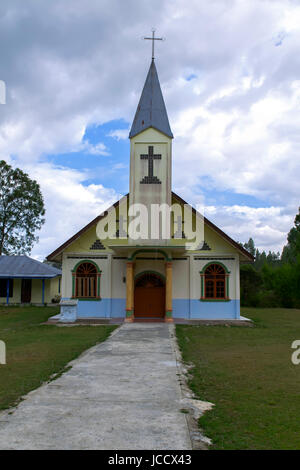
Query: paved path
{"type": "Point", "coordinates": [121, 394]}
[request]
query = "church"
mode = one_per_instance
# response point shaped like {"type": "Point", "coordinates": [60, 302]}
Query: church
{"type": "Point", "coordinates": [127, 265]}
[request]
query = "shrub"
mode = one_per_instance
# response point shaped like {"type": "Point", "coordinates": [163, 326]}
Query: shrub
{"type": "Point", "coordinates": [56, 299]}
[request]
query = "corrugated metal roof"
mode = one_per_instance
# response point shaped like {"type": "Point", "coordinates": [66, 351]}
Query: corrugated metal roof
{"type": "Point", "coordinates": [21, 266]}
{"type": "Point", "coordinates": [151, 110]}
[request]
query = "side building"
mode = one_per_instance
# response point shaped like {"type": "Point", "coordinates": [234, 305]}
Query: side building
{"type": "Point", "coordinates": [24, 280]}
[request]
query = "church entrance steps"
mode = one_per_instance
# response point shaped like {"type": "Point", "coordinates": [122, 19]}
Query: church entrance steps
{"type": "Point", "coordinates": [148, 320]}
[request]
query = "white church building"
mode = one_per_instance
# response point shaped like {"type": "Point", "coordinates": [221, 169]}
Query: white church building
{"type": "Point", "coordinates": [177, 266]}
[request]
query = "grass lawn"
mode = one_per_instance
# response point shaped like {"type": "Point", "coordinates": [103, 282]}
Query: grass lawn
{"type": "Point", "coordinates": [248, 374]}
{"type": "Point", "coordinates": [34, 352]}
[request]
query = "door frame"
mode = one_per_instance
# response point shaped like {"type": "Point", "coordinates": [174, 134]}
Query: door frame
{"type": "Point", "coordinates": [155, 273]}
{"type": "Point", "coordinates": [28, 282]}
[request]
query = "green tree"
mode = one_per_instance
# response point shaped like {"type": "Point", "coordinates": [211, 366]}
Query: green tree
{"type": "Point", "coordinates": [260, 259]}
{"type": "Point", "coordinates": [251, 283]}
{"type": "Point", "coordinates": [292, 250]}
{"type": "Point", "coordinates": [273, 258]}
{"type": "Point", "coordinates": [21, 210]}
{"type": "Point", "coordinates": [250, 246]}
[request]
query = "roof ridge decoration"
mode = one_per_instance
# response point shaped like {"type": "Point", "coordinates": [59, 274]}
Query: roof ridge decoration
{"type": "Point", "coordinates": [151, 110]}
{"type": "Point", "coordinates": [97, 245]}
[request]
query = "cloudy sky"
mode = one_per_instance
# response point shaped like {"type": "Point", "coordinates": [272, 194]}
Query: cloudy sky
{"type": "Point", "coordinates": [230, 75]}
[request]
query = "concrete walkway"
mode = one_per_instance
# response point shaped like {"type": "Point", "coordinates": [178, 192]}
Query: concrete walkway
{"type": "Point", "coordinates": [121, 394]}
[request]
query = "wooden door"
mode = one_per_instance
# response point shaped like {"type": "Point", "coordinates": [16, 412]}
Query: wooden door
{"type": "Point", "coordinates": [149, 297]}
{"type": "Point", "coordinates": [26, 291]}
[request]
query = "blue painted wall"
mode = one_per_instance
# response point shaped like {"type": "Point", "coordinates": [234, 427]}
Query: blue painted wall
{"type": "Point", "coordinates": [118, 308]}
{"type": "Point", "coordinates": [196, 309]}
{"type": "Point", "coordinates": [104, 308]}
{"type": "Point", "coordinates": [182, 308]}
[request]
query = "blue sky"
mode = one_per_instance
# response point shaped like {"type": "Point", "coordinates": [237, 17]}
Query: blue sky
{"type": "Point", "coordinates": [229, 72]}
{"type": "Point", "coordinates": [111, 168]}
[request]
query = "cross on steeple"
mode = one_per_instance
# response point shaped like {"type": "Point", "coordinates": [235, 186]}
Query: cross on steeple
{"type": "Point", "coordinates": [150, 156]}
{"type": "Point", "coordinates": [153, 38]}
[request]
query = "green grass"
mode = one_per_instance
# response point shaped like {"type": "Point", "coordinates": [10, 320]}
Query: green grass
{"type": "Point", "coordinates": [35, 351]}
{"type": "Point", "coordinates": [248, 374]}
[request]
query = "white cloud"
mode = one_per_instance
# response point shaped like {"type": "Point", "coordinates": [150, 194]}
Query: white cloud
{"type": "Point", "coordinates": [97, 149]}
{"type": "Point", "coordinates": [119, 134]}
{"type": "Point", "coordinates": [67, 65]}
{"type": "Point", "coordinates": [267, 225]}
{"type": "Point", "coordinates": [70, 205]}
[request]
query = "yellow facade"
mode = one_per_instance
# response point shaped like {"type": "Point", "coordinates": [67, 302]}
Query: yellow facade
{"type": "Point", "coordinates": [215, 241]}
{"type": "Point", "coordinates": [52, 289]}
{"type": "Point", "coordinates": [152, 241]}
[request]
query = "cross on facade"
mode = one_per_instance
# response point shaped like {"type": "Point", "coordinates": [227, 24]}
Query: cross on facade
{"type": "Point", "coordinates": [153, 38]}
{"type": "Point", "coordinates": [150, 156]}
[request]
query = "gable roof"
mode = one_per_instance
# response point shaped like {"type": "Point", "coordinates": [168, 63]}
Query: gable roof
{"type": "Point", "coordinates": [151, 110]}
{"type": "Point", "coordinates": [83, 230]}
{"type": "Point", "coordinates": [21, 266]}
{"type": "Point", "coordinates": [219, 231]}
{"type": "Point", "coordinates": [236, 245]}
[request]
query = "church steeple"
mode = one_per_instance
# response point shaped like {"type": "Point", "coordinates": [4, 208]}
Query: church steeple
{"type": "Point", "coordinates": [151, 152]}
{"type": "Point", "coordinates": [151, 110]}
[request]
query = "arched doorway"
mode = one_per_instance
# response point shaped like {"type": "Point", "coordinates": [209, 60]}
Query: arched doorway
{"type": "Point", "coordinates": [149, 296]}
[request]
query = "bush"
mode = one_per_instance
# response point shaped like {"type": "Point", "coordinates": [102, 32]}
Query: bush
{"type": "Point", "coordinates": [268, 299]}
{"type": "Point", "coordinates": [273, 286]}
{"type": "Point", "coordinates": [56, 299]}
{"type": "Point", "coordinates": [251, 282]}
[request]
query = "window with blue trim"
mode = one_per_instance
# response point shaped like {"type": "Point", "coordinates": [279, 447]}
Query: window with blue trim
{"type": "Point", "coordinates": [3, 288]}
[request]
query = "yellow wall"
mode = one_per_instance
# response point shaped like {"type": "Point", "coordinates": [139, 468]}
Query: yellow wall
{"type": "Point", "coordinates": [16, 293]}
{"type": "Point", "coordinates": [82, 245]}
{"type": "Point", "coordinates": [217, 243]}
{"type": "Point", "coordinates": [51, 289]}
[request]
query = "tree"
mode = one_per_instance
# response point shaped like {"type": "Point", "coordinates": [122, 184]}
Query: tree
{"type": "Point", "coordinates": [251, 283]}
{"type": "Point", "coordinates": [273, 281]}
{"type": "Point", "coordinates": [250, 246]}
{"type": "Point", "coordinates": [260, 259]}
{"type": "Point", "coordinates": [21, 210]}
{"type": "Point", "coordinates": [292, 249]}
{"type": "Point", "coordinates": [55, 264]}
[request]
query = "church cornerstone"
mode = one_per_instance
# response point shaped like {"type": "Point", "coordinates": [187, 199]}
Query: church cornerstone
{"type": "Point", "coordinates": [68, 310]}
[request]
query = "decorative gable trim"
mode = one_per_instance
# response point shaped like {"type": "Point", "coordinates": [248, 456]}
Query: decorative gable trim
{"type": "Point", "coordinates": [60, 249]}
{"type": "Point", "coordinates": [205, 247]}
{"type": "Point", "coordinates": [97, 245]}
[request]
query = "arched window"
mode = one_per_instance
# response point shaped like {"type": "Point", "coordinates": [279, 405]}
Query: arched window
{"type": "Point", "coordinates": [149, 280]}
{"type": "Point", "coordinates": [86, 281]}
{"type": "Point", "coordinates": [215, 283]}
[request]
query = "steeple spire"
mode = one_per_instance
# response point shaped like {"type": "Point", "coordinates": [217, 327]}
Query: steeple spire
{"type": "Point", "coordinates": [151, 110]}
